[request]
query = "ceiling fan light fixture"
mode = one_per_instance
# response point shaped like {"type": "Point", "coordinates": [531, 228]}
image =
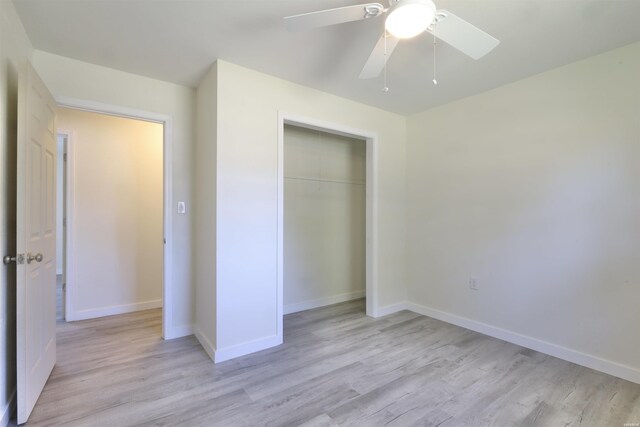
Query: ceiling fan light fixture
{"type": "Point", "coordinates": [408, 18]}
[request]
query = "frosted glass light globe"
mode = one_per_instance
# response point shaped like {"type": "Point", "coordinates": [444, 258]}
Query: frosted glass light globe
{"type": "Point", "coordinates": [408, 18]}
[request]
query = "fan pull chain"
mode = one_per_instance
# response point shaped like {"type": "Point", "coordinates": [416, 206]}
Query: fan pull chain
{"type": "Point", "coordinates": [435, 82]}
{"type": "Point", "coordinates": [385, 89]}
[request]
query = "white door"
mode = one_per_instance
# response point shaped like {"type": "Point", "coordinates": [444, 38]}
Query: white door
{"type": "Point", "coordinates": [36, 227]}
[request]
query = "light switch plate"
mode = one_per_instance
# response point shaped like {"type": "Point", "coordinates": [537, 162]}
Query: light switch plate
{"type": "Point", "coordinates": [182, 208]}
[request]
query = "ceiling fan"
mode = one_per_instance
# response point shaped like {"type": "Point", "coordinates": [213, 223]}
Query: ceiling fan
{"type": "Point", "coordinates": [405, 19]}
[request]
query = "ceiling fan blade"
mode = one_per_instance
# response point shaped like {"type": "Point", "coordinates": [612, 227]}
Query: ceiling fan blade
{"type": "Point", "coordinates": [462, 35]}
{"type": "Point", "coordinates": [338, 15]}
{"type": "Point", "coordinates": [377, 59]}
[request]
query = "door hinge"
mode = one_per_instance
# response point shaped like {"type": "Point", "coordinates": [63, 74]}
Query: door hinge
{"type": "Point", "coordinates": [64, 222]}
{"type": "Point", "coordinates": [64, 157]}
{"type": "Point", "coordinates": [64, 286]}
{"type": "Point", "coordinates": [18, 259]}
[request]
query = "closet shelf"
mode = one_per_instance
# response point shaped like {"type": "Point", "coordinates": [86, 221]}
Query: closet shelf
{"type": "Point", "coordinates": [335, 181]}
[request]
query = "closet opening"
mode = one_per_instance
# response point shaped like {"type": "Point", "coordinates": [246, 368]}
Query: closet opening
{"type": "Point", "coordinates": [326, 217]}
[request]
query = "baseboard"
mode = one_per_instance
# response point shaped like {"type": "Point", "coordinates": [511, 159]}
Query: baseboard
{"type": "Point", "coordinates": [205, 343]}
{"type": "Point", "coordinates": [321, 302]}
{"type": "Point", "coordinates": [607, 366]}
{"type": "Point", "coordinates": [178, 332]}
{"type": "Point", "coordinates": [246, 348]}
{"type": "Point", "coordinates": [114, 309]}
{"type": "Point", "coordinates": [390, 309]}
{"type": "Point", "coordinates": [8, 410]}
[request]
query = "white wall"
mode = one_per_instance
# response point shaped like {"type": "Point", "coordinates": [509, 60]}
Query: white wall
{"type": "Point", "coordinates": [532, 189]}
{"type": "Point", "coordinates": [206, 126]}
{"type": "Point", "coordinates": [117, 208]}
{"type": "Point", "coordinates": [67, 77]}
{"type": "Point", "coordinates": [247, 203]}
{"type": "Point", "coordinates": [15, 50]}
{"type": "Point", "coordinates": [324, 218]}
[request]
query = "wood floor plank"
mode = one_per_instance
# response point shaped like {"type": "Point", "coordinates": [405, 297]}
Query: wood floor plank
{"type": "Point", "coordinates": [337, 367]}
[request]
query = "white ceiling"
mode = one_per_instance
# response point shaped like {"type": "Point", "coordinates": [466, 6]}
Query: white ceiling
{"type": "Point", "coordinates": [177, 41]}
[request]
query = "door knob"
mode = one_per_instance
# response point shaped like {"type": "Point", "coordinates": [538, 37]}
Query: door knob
{"type": "Point", "coordinates": [18, 259]}
{"type": "Point", "coordinates": [36, 258]}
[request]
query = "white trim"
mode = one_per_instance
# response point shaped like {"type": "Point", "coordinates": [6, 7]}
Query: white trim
{"type": "Point", "coordinates": [92, 313]}
{"type": "Point", "coordinates": [321, 302]}
{"type": "Point", "coordinates": [167, 254]}
{"type": "Point", "coordinates": [390, 309]}
{"type": "Point", "coordinates": [110, 110]}
{"type": "Point", "coordinates": [204, 342]}
{"type": "Point", "coordinates": [280, 231]}
{"type": "Point", "coordinates": [245, 348]}
{"type": "Point", "coordinates": [179, 332]}
{"type": "Point", "coordinates": [619, 370]}
{"type": "Point", "coordinates": [371, 208]}
{"type": "Point", "coordinates": [9, 409]}
{"type": "Point", "coordinates": [372, 226]}
{"type": "Point", "coordinates": [69, 248]}
{"type": "Point", "coordinates": [237, 350]}
{"type": "Point", "coordinates": [167, 156]}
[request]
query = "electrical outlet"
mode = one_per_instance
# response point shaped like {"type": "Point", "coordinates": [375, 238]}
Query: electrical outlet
{"type": "Point", "coordinates": [473, 284]}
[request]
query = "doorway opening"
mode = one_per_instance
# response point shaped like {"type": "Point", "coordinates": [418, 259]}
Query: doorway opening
{"type": "Point", "coordinates": [326, 191]}
{"type": "Point", "coordinates": [113, 215]}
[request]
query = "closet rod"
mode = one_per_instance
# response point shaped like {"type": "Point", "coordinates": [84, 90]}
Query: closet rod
{"type": "Point", "coordinates": [336, 181]}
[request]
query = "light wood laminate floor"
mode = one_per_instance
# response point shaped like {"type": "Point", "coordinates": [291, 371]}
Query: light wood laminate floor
{"type": "Point", "coordinates": [337, 367]}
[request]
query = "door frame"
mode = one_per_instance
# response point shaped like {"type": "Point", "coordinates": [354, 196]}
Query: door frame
{"type": "Point", "coordinates": [371, 210]}
{"type": "Point", "coordinates": [66, 213]}
{"type": "Point", "coordinates": [167, 162]}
